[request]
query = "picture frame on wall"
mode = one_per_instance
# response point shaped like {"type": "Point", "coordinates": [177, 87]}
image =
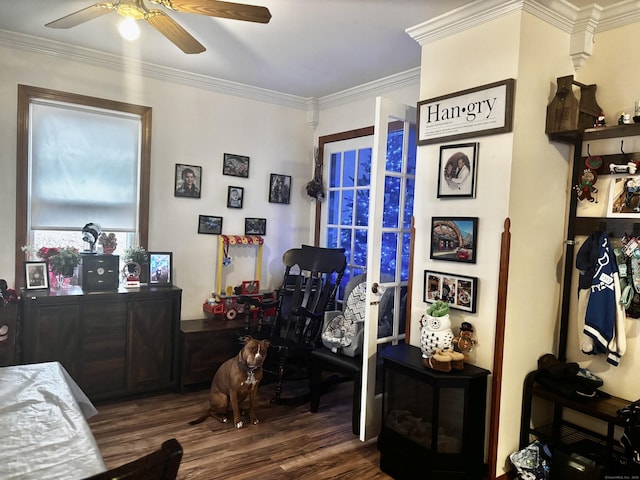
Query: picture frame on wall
{"type": "Point", "coordinates": [209, 224]}
{"type": "Point", "coordinates": [36, 275]}
{"type": "Point", "coordinates": [160, 269]}
{"type": "Point", "coordinates": [188, 180]}
{"type": "Point", "coordinates": [279, 188]}
{"type": "Point", "coordinates": [235, 197]}
{"type": "Point", "coordinates": [454, 239]}
{"type": "Point", "coordinates": [624, 196]}
{"type": "Point", "coordinates": [457, 170]}
{"type": "Point", "coordinates": [255, 226]}
{"type": "Point", "coordinates": [460, 292]}
{"type": "Point", "coordinates": [475, 112]}
{"type": "Point", "coordinates": [235, 165]}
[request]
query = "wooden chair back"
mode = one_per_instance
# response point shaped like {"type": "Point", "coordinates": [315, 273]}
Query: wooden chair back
{"type": "Point", "coordinates": [311, 279]}
{"type": "Point", "coordinates": [162, 464]}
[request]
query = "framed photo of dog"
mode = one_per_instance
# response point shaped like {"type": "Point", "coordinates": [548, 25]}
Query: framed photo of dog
{"type": "Point", "coordinates": [458, 291]}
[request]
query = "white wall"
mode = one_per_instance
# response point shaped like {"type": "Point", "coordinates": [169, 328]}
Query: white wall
{"type": "Point", "coordinates": [197, 126]}
{"type": "Point", "coordinates": [520, 176]}
{"type": "Point", "coordinates": [190, 125]}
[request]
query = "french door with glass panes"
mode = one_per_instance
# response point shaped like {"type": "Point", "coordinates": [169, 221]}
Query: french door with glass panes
{"type": "Point", "coordinates": [368, 212]}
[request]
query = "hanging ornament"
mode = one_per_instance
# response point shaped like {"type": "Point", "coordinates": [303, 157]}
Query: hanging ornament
{"type": "Point", "coordinates": [315, 189]}
{"type": "Point", "coordinates": [586, 185]}
{"type": "Point", "coordinates": [226, 259]}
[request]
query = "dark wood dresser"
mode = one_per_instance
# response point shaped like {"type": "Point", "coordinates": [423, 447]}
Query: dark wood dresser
{"type": "Point", "coordinates": [113, 343]}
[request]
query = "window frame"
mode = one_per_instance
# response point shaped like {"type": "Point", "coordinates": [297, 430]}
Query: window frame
{"type": "Point", "coordinates": [28, 93]}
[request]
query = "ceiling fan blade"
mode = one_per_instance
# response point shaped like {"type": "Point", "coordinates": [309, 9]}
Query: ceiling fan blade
{"type": "Point", "coordinates": [81, 16]}
{"type": "Point", "coordinates": [216, 8]}
{"type": "Point", "coordinates": [174, 32]}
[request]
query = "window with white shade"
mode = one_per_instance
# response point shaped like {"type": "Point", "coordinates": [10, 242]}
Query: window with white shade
{"type": "Point", "coordinates": [80, 160]}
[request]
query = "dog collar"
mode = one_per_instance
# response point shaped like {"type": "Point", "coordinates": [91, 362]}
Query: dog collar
{"type": "Point", "coordinates": [251, 379]}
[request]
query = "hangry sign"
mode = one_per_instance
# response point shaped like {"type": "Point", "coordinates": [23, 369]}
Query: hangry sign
{"type": "Point", "coordinates": [485, 110]}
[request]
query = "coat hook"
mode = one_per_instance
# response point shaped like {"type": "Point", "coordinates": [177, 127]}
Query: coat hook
{"type": "Point", "coordinates": [621, 150]}
{"type": "Point", "coordinates": [588, 150]}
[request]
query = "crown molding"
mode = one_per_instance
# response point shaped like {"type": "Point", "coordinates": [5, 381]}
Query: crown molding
{"type": "Point", "coordinates": [381, 86]}
{"type": "Point", "coordinates": [580, 23]}
{"type": "Point", "coordinates": [461, 19]}
{"type": "Point", "coordinates": [618, 15]}
{"type": "Point", "coordinates": [126, 65]}
{"type": "Point", "coordinates": [561, 14]}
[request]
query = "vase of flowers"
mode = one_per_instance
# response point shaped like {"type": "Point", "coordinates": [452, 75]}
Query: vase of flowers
{"type": "Point", "coordinates": [63, 263]}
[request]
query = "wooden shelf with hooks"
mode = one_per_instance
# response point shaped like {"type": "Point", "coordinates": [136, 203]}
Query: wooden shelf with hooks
{"type": "Point", "coordinates": [601, 133]}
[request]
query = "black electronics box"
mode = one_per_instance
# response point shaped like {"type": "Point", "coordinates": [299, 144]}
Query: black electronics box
{"type": "Point", "coordinates": [100, 272]}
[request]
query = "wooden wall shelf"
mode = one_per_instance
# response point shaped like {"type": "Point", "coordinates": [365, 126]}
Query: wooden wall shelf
{"type": "Point", "coordinates": [596, 133]}
{"type": "Point", "coordinates": [601, 133]}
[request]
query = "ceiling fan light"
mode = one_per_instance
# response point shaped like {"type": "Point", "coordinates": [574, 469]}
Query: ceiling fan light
{"type": "Point", "coordinates": [129, 29]}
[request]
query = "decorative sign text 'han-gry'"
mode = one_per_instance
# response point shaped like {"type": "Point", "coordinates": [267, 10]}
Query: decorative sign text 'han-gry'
{"type": "Point", "coordinates": [485, 110]}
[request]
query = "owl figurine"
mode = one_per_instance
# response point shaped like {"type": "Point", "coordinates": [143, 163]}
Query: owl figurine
{"type": "Point", "coordinates": [435, 334]}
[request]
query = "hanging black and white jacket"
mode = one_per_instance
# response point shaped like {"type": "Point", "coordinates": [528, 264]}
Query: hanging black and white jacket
{"type": "Point", "coordinates": [601, 317]}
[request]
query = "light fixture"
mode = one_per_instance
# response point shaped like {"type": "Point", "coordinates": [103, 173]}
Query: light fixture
{"type": "Point", "coordinates": [129, 29]}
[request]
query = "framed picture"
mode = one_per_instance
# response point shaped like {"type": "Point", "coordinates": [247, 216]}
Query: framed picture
{"type": "Point", "coordinates": [279, 188]}
{"type": "Point", "coordinates": [235, 165]}
{"type": "Point", "coordinates": [255, 226]}
{"type": "Point", "coordinates": [458, 291]}
{"type": "Point", "coordinates": [209, 224]}
{"type": "Point", "coordinates": [624, 196]}
{"type": "Point", "coordinates": [36, 275]}
{"type": "Point", "coordinates": [454, 239]}
{"type": "Point", "coordinates": [188, 180]}
{"type": "Point", "coordinates": [235, 195]}
{"type": "Point", "coordinates": [160, 264]}
{"type": "Point", "coordinates": [484, 110]}
{"type": "Point", "coordinates": [457, 177]}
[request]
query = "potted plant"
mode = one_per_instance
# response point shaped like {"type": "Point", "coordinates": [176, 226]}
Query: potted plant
{"type": "Point", "coordinates": [139, 255]}
{"type": "Point", "coordinates": [64, 262]}
{"type": "Point", "coordinates": [435, 331]}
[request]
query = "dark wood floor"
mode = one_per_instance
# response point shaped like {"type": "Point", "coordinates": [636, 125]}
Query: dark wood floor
{"type": "Point", "coordinates": [289, 443]}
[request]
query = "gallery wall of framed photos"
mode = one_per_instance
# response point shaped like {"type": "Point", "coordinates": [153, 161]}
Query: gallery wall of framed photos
{"type": "Point", "coordinates": [188, 184]}
{"type": "Point", "coordinates": [450, 120]}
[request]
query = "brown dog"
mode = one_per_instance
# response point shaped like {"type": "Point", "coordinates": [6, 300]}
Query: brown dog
{"type": "Point", "coordinates": [236, 379]}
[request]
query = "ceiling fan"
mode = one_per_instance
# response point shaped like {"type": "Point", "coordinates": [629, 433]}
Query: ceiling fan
{"type": "Point", "coordinates": [136, 10]}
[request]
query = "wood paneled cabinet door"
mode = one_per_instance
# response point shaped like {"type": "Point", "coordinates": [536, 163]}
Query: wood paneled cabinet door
{"type": "Point", "coordinates": [150, 359]}
{"type": "Point", "coordinates": [52, 333]}
{"type": "Point", "coordinates": [103, 348]}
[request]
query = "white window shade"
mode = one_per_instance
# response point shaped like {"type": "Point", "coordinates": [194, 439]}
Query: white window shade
{"type": "Point", "coordinates": [84, 167]}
